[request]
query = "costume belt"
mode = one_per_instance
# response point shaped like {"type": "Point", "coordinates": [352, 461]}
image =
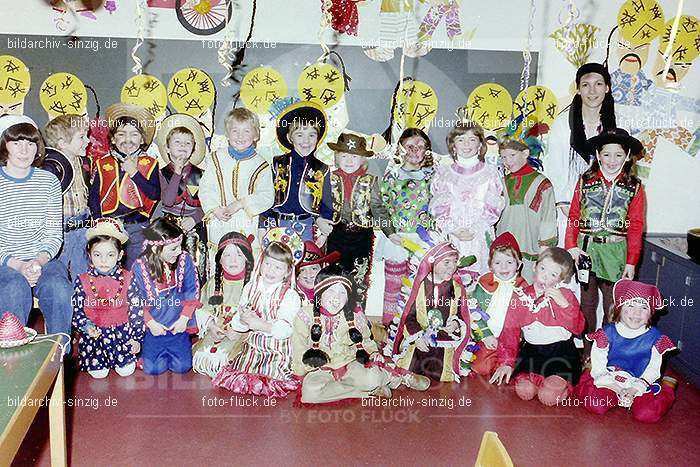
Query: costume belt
{"type": "Point", "coordinates": [281, 216]}
{"type": "Point", "coordinates": [607, 239]}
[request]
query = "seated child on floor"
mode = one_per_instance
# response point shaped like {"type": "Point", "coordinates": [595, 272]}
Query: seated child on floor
{"type": "Point", "coordinates": [218, 343]}
{"type": "Point", "coordinates": [268, 305]}
{"type": "Point", "coordinates": [310, 266]}
{"type": "Point", "coordinates": [109, 322]}
{"type": "Point", "coordinates": [168, 286]}
{"type": "Point", "coordinates": [547, 316]}
{"type": "Point", "coordinates": [626, 358]}
{"type": "Point", "coordinates": [493, 293]}
{"type": "Point", "coordinates": [434, 331]}
{"type": "Point", "coordinates": [334, 351]}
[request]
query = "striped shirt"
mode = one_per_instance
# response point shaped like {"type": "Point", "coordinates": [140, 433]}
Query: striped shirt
{"type": "Point", "coordinates": [31, 215]}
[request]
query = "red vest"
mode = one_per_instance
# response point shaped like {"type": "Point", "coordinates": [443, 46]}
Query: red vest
{"type": "Point", "coordinates": [108, 310]}
{"type": "Point", "coordinates": [114, 191]}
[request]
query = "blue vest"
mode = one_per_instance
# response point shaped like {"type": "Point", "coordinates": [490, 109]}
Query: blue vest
{"type": "Point", "coordinates": [631, 355]}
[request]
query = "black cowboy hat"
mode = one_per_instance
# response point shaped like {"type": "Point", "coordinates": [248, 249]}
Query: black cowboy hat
{"type": "Point", "coordinates": [304, 111]}
{"type": "Point", "coordinates": [614, 136]}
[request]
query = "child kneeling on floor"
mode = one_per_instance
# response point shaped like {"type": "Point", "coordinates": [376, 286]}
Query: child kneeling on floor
{"type": "Point", "coordinates": [626, 358]}
{"type": "Point", "coordinates": [547, 316]}
{"type": "Point", "coordinates": [105, 305]}
{"type": "Point", "coordinates": [168, 285]}
{"type": "Point", "coordinates": [334, 351]}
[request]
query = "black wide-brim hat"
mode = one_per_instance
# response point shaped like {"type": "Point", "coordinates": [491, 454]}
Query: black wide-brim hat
{"type": "Point", "coordinates": [58, 164]}
{"type": "Point", "coordinates": [304, 112]}
{"type": "Point", "coordinates": [614, 136]}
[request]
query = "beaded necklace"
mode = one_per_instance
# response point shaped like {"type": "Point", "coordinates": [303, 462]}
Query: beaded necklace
{"type": "Point", "coordinates": [104, 301]}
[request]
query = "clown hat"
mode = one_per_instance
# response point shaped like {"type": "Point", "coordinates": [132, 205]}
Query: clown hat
{"type": "Point", "coordinates": [108, 226]}
{"type": "Point", "coordinates": [626, 290]}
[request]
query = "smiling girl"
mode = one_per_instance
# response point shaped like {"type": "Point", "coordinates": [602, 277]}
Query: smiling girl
{"type": "Point", "coordinates": [606, 220]}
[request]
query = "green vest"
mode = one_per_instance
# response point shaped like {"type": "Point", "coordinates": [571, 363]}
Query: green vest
{"type": "Point", "coordinates": [604, 208]}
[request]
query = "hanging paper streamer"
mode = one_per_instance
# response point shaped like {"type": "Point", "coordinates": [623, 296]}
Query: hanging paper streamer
{"type": "Point", "coordinates": [14, 82]}
{"type": "Point", "coordinates": [191, 91]}
{"type": "Point", "coordinates": [640, 21]}
{"type": "Point", "coordinates": [261, 87]}
{"type": "Point", "coordinates": [490, 105]}
{"type": "Point", "coordinates": [62, 94]}
{"type": "Point", "coordinates": [146, 91]}
{"type": "Point", "coordinates": [141, 20]}
{"type": "Point", "coordinates": [536, 104]}
{"type": "Point", "coordinates": [322, 84]}
{"type": "Point", "coordinates": [416, 106]}
{"type": "Point", "coordinates": [527, 56]}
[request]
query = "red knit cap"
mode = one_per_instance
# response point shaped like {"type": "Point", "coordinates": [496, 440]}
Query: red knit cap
{"type": "Point", "coordinates": [626, 290]}
{"type": "Point", "coordinates": [505, 239]}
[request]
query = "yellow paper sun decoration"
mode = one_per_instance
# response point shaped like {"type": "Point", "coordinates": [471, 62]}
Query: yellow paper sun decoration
{"type": "Point", "coordinates": [62, 94]}
{"type": "Point", "coordinates": [490, 105]}
{"type": "Point", "coordinates": [191, 91]}
{"type": "Point", "coordinates": [261, 87]}
{"type": "Point", "coordinates": [146, 91]}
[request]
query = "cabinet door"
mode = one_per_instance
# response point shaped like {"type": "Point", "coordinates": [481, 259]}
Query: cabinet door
{"type": "Point", "coordinates": [690, 332]}
{"type": "Point", "coordinates": [673, 290]}
{"type": "Point", "coordinates": [649, 264]}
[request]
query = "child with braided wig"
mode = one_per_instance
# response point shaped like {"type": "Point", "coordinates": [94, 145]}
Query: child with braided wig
{"type": "Point", "coordinates": [218, 342]}
{"type": "Point", "coordinates": [168, 286]}
{"type": "Point", "coordinates": [342, 361]}
{"type": "Point", "coordinates": [268, 305]}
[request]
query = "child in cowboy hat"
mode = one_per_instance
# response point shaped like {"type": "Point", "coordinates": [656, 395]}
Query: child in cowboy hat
{"type": "Point", "coordinates": [301, 181]}
{"type": "Point", "coordinates": [352, 188]}
{"type": "Point", "coordinates": [181, 143]}
{"type": "Point", "coordinates": [127, 180]}
{"type": "Point", "coordinates": [309, 267]}
{"type": "Point", "coordinates": [106, 310]}
{"type": "Point", "coordinates": [626, 358]}
{"type": "Point", "coordinates": [606, 220]}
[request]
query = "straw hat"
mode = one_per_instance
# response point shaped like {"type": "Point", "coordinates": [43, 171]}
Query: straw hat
{"type": "Point", "coordinates": [182, 120]}
{"type": "Point", "coordinates": [138, 113]}
{"type": "Point", "coordinates": [109, 227]}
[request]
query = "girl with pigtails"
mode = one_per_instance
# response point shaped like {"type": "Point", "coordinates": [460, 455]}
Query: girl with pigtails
{"type": "Point", "coordinates": [334, 351]}
{"type": "Point", "coordinates": [218, 342]}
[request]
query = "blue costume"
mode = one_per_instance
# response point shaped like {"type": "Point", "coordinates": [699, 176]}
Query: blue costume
{"type": "Point", "coordinates": [174, 295]}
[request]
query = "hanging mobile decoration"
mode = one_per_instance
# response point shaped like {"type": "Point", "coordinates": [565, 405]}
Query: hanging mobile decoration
{"type": "Point", "coordinates": [191, 91]}
{"type": "Point", "coordinates": [15, 82]}
{"type": "Point", "coordinates": [574, 39]}
{"type": "Point", "coordinates": [490, 105]}
{"type": "Point", "coordinates": [141, 20]}
{"type": "Point", "coordinates": [417, 105]}
{"type": "Point", "coordinates": [146, 91]}
{"type": "Point", "coordinates": [261, 87]}
{"type": "Point", "coordinates": [63, 93]}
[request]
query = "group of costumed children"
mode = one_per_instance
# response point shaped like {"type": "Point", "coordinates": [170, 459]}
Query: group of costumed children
{"type": "Point", "coordinates": [473, 280]}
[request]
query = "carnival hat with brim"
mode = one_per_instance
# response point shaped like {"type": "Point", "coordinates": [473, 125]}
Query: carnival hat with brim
{"type": "Point", "coordinates": [351, 144]}
{"type": "Point", "coordinates": [314, 255]}
{"type": "Point", "coordinates": [12, 333]}
{"type": "Point", "coordinates": [58, 164]}
{"type": "Point", "coordinates": [614, 136]}
{"type": "Point", "coordinates": [303, 112]}
{"type": "Point", "coordinates": [109, 227]}
{"type": "Point", "coordinates": [184, 121]}
{"type": "Point", "coordinates": [138, 113]}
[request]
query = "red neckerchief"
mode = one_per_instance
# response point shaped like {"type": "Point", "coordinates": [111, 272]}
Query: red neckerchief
{"type": "Point", "coordinates": [518, 174]}
{"type": "Point", "coordinates": [234, 277]}
{"type": "Point", "coordinates": [349, 179]}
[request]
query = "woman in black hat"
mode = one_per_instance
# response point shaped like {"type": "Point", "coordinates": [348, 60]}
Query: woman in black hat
{"type": "Point", "coordinates": [606, 220]}
{"type": "Point", "coordinates": [591, 112]}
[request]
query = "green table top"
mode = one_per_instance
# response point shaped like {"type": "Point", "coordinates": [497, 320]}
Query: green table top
{"type": "Point", "coordinates": [19, 367]}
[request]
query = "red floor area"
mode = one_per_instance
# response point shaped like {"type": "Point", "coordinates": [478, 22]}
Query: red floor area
{"type": "Point", "coordinates": [172, 420]}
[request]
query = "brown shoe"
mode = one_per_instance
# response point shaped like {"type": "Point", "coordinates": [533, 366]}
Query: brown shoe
{"type": "Point", "coordinates": [381, 391]}
{"type": "Point", "coordinates": [417, 382]}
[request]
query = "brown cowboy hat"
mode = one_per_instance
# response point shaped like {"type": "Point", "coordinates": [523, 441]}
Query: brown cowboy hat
{"type": "Point", "coordinates": [138, 113]}
{"type": "Point", "coordinates": [182, 120]}
{"type": "Point", "coordinates": [351, 144]}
